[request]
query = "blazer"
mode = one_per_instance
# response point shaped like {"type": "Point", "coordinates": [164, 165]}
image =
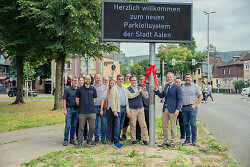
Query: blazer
{"type": "Point", "coordinates": [173, 100]}
{"type": "Point", "coordinates": [115, 98]}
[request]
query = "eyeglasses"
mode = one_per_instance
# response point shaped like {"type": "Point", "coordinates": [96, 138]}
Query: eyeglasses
{"type": "Point", "coordinates": [132, 80]}
{"type": "Point", "coordinates": [121, 79]}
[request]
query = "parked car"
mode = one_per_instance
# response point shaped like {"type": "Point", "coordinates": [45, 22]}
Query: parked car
{"type": "Point", "coordinates": [13, 91]}
{"type": "Point", "coordinates": [245, 91]}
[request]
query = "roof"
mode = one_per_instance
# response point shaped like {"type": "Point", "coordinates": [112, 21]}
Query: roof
{"type": "Point", "coordinates": [238, 60]}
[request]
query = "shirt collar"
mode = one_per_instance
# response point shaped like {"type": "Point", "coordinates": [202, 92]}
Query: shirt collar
{"type": "Point", "coordinates": [189, 84]}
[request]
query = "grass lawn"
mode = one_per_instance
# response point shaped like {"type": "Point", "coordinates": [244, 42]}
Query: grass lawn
{"type": "Point", "coordinates": [28, 98]}
{"type": "Point", "coordinates": [30, 114]}
{"type": "Point", "coordinates": [209, 152]}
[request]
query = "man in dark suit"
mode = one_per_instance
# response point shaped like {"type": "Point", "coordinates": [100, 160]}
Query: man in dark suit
{"type": "Point", "coordinates": [173, 99]}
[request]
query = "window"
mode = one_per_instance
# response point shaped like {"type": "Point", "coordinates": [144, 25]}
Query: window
{"type": "Point", "coordinates": [194, 81]}
{"type": "Point", "coordinates": [68, 65]}
{"type": "Point", "coordinates": [224, 71]}
{"type": "Point", "coordinates": [229, 72]}
{"type": "Point", "coordinates": [247, 66]}
{"type": "Point", "coordinates": [199, 71]}
{"type": "Point", "coordinates": [217, 81]}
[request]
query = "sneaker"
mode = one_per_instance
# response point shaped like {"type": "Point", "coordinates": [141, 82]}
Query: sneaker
{"type": "Point", "coordinates": [79, 145]}
{"type": "Point", "coordinates": [194, 143]}
{"type": "Point", "coordinates": [117, 146]}
{"type": "Point", "coordinates": [91, 143]}
{"type": "Point", "coordinates": [73, 142]}
{"type": "Point", "coordinates": [96, 140]}
{"type": "Point", "coordinates": [103, 141]}
{"type": "Point", "coordinates": [186, 142]}
{"type": "Point", "coordinates": [65, 143]}
{"type": "Point", "coordinates": [121, 145]}
{"type": "Point", "coordinates": [182, 141]}
{"type": "Point", "coordinates": [162, 145]}
{"type": "Point", "coordinates": [144, 142]}
{"type": "Point", "coordinates": [134, 142]}
{"type": "Point", "coordinates": [124, 137]}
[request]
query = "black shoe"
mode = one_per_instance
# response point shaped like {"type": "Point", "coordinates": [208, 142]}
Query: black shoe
{"type": "Point", "coordinates": [186, 142]}
{"type": "Point", "coordinates": [162, 145]}
{"type": "Point", "coordinates": [79, 145]}
{"type": "Point", "coordinates": [103, 141]}
{"type": "Point", "coordinates": [194, 143]}
{"type": "Point", "coordinates": [171, 145]}
{"type": "Point", "coordinates": [73, 142]}
{"type": "Point", "coordinates": [91, 143]}
{"type": "Point", "coordinates": [124, 137]}
{"type": "Point", "coordinates": [96, 140]}
{"type": "Point", "coordinates": [65, 143]}
{"type": "Point", "coordinates": [144, 142]}
{"type": "Point", "coordinates": [134, 142]}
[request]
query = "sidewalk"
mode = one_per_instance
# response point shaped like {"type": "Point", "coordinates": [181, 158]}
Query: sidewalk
{"type": "Point", "coordinates": [20, 146]}
{"type": "Point", "coordinates": [17, 147]}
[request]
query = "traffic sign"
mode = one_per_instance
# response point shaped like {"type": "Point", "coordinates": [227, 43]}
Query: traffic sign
{"type": "Point", "coordinates": [228, 84]}
{"type": "Point", "coordinates": [218, 85]}
{"type": "Point", "coordinates": [146, 21]}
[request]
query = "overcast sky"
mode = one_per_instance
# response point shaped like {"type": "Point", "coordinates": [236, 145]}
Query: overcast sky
{"type": "Point", "coordinates": [229, 26]}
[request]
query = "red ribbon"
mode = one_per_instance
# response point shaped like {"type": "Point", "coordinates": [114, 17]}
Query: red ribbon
{"type": "Point", "coordinates": [148, 71]}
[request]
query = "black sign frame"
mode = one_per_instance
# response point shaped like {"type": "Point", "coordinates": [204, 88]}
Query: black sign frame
{"type": "Point", "coordinates": [113, 34]}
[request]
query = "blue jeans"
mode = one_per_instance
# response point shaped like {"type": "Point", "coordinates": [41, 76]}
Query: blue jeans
{"type": "Point", "coordinates": [189, 116]}
{"type": "Point", "coordinates": [118, 124]}
{"type": "Point", "coordinates": [103, 121]}
{"type": "Point", "coordinates": [70, 120]}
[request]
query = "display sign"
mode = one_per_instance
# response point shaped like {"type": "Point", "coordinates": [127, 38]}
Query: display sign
{"type": "Point", "coordinates": [146, 22]}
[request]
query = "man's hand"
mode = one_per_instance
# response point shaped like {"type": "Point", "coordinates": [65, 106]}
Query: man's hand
{"type": "Point", "coordinates": [194, 106]}
{"type": "Point", "coordinates": [176, 113]}
{"type": "Point", "coordinates": [156, 88]}
{"type": "Point", "coordinates": [140, 90]}
{"type": "Point", "coordinates": [116, 114]}
{"type": "Point", "coordinates": [144, 88]}
{"type": "Point", "coordinates": [65, 113]}
{"type": "Point", "coordinates": [129, 115]}
{"type": "Point", "coordinates": [101, 112]}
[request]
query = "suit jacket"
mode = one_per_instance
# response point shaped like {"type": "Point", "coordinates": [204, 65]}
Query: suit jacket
{"type": "Point", "coordinates": [173, 100]}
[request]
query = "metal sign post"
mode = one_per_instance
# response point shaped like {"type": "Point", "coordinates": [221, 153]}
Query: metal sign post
{"type": "Point", "coordinates": [151, 97]}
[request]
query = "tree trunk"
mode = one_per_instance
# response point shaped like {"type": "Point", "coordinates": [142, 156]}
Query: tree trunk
{"type": "Point", "coordinates": [59, 81]}
{"type": "Point", "coordinates": [20, 64]}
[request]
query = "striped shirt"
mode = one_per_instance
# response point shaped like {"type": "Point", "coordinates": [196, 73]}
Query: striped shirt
{"type": "Point", "coordinates": [190, 93]}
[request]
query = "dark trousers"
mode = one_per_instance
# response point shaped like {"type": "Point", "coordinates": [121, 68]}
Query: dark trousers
{"type": "Point", "coordinates": [110, 125]}
{"type": "Point", "coordinates": [83, 118]}
{"type": "Point", "coordinates": [138, 128]}
{"type": "Point", "coordinates": [181, 123]}
{"type": "Point", "coordinates": [85, 134]}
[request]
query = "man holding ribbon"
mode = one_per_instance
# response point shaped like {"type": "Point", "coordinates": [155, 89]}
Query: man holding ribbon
{"type": "Point", "coordinates": [173, 99]}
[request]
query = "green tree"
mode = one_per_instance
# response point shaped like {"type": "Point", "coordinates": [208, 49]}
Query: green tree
{"type": "Point", "coordinates": [20, 39]}
{"type": "Point", "coordinates": [70, 27]}
{"type": "Point", "coordinates": [182, 55]}
{"type": "Point", "coordinates": [239, 85]}
{"type": "Point", "coordinates": [124, 69]}
{"type": "Point", "coordinates": [212, 51]}
{"type": "Point", "coordinates": [190, 46]}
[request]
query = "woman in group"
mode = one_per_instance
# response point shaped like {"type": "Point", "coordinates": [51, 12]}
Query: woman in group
{"type": "Point", "coordinates": [109, 113]}
{"type": "Point", "coordinates": [80, 83]}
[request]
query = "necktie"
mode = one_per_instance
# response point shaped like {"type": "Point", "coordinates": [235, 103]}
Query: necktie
{"type": "Point", "coordinates": [168, 89]}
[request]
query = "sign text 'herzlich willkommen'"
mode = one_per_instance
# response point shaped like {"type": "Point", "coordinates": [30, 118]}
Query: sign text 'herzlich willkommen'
{"type": "Point", "coordinates": [146, 22]}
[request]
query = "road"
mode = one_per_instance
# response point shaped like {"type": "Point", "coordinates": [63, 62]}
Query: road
{"type": "Point", "coordinates": [229, 121]}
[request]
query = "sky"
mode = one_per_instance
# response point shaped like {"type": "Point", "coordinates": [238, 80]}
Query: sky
{"type": "Point", "coordinates": [229, 27]}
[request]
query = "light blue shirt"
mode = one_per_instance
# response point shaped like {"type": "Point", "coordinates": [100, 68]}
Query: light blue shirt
{"type": "Point", "coordinates": [122, 96]}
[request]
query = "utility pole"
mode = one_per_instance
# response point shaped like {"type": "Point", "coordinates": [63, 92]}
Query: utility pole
{"type": "Point", "coordinates": [208, 47]}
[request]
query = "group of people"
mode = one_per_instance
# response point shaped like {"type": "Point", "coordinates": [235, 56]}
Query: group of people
{"type": "Point", "coordinates": [107, 107]}
{"type": "Point", "coordinates": [206, 92]}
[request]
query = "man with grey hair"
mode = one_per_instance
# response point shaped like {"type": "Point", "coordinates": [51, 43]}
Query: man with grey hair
{"type": "Point", "coordinates": [105, 80]}
{"type": "Point", "coordinates": [171, 108]}
{"type": "Point", "coordinates": [192, 96]}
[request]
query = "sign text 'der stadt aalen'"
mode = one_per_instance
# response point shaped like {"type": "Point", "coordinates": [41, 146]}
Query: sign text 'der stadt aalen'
{"type": "Point", "coordinates": [146, 22]}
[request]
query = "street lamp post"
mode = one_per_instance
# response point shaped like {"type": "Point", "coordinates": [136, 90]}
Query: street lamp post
{"type": "Point", "coordinates": [208, 47]}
